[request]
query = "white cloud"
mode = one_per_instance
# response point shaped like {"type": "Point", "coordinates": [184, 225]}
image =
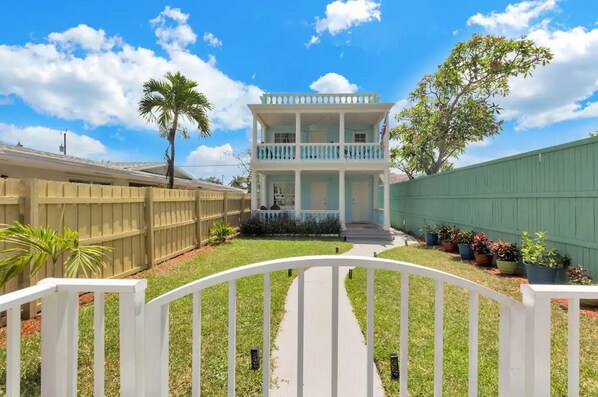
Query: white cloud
{"type": "Point", "coordinates": [561, 90]}
{"type": "Point", "coordinates": [101, 84]}
{"type": "Point", "coordinates": [341, 15]}
{"type": "Point", "coordinates": [172, 30]}
{"type": "Point", "coordinates": [47, 139]}
{"type": "Point", "coordinates": [213, 161]}
{"type": "Point", "coordinates": [84, 37]}
{"type": "Point", "coordinates": [211, 39]}
{"type": "Point", "coordinates": [333, 83]}
{"type": "Point", "coordinates": [515, 17]}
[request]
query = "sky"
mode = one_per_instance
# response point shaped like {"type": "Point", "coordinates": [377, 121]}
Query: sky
{"type": "Point", "coordinates": [79, 66]}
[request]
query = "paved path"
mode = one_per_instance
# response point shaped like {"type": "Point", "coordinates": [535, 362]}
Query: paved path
{"type": "Point", "coordinates": [352, 348]}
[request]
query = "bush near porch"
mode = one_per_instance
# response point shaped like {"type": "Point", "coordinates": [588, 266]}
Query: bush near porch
{"type": "Point", "coordinates": [165, 278]}
{"type": "Point", "coordinates": [287, 224]}
{"type": "Point", "coordinates": [421, 328]}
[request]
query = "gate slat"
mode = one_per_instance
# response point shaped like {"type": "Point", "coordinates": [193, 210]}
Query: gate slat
{"type": "Point", "coordinates": [266, 337]}
{"type": "Point", "coordinates": [334, 336]}
{"type": "Point", "coordinates": [196, 364]}
{"type": "Point", "coordinates": [504, 351]}
{"type": "Point", "coordinates": [370, 332]}
{"type": "Point", "coordinates": [13, 352]}
{"type": "Point", "coordinates": [473, 343]}
{"type": "Point", "coordinates": [438, 337]}
{"type": "Point", "coordinates": [232, 335]}
{"type": "Point", "coordinates": [573, 348]}
{"type": "Point", "coordinates": [404, 333]}
{"type": "Point", "coordinates": [98, 342]}
{"type": "Point", "coordinates": [300, 329]}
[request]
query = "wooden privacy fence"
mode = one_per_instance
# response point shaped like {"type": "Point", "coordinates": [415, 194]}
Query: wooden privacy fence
{"type": "Point", "coordinates": [143, 226]}
{"type": "Point", "coordinates": [553, 189]}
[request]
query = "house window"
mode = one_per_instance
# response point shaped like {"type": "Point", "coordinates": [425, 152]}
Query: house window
{"type": "Point", "coordinates": [284, 137]}
{"type": "Point", "coordinates": [284, 194]}
{"type": "Point", "coordinates": [360, 137]}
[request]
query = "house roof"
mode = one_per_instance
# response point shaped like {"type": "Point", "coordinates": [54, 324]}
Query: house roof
{"type": "Point", "coordinates": [396, 178]}
{"type": "Point", "coordinates": [144, 172]}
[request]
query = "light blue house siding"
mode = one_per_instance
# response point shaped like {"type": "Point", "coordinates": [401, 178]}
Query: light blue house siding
{"type": "Point", "coordinates": [332, 194]}
{"type": "Point", "coordinates": [332, 132]}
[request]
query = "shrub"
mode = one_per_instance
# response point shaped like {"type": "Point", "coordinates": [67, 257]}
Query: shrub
{"type": "Point", "coordinates": [448, 234]}
{"type": "Point", "coordinates": [429, 228]}
{"type": "Point", "coordinates": [481, 244]}
{"type": "Point", "coordinates": [219, 232]}
{"type": "Point", "coordinates": [463, 237]}
{"type": "Point", "coordinates": [578, 276]}
{"type": "Point", "coordinates": [505, 251]}
{"type": "Point", "coordinates": [286, 223]}
{"type": "Point", "coordinates": [535, 252]}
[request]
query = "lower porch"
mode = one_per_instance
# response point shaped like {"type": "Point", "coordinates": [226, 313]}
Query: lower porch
{"type": "Point", "coordinates": [352, 196]}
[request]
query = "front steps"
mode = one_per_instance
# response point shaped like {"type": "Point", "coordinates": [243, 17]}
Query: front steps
{"type": "Point", "coordinates": [366, 233]}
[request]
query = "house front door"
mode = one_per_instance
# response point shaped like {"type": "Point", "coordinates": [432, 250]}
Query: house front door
{"type": "Point", "coordinates": [360, 202]}
{"type": "Point", "coordinates": [319, 193]}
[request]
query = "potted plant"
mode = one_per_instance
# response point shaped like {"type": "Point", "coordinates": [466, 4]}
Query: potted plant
{"type": "Point", "coordinates": [578, 276]}
{"type": "Point", "coordinates": [481, 249]}
{"type": "Point", "coordinates": [448, 238]}
{"type": "Point", "coordinates": [430, 234]}
{"type": "Point", "coordinates": [464, 240]}
{"type": "Point", "coordinates": [507, 256]}
{"type": "Point", "coordinates": [541, 263]}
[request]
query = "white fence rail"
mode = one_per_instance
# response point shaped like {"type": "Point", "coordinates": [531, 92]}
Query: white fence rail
{"type": "Point", "coordinates": [524, 330]}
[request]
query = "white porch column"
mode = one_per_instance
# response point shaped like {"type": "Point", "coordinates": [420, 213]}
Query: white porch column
{"type": "Point", "coordinates": [386, 139]}
{"type": "Point", "coordinates": [376, 183]}
{"type": "Point", "coordinates": [341, 198]}
{"type": "Point", "coordinates": [253, 190]}
{"type": "Point", "coordinates": [298, 194]}
{"type": "Point", "coordinates": [386, 199]}
{"type": "Point", "coordinates": [341, 134]}
{"type": "Point", "coordinates": [297, 136]}
{"type": "Point", "coordinates": [254, 138]}
{"type": "Point", "coordinates": [263, 190]}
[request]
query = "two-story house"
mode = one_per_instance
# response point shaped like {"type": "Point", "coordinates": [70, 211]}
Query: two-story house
{"type": "Point", "coordinates": [321, 155]}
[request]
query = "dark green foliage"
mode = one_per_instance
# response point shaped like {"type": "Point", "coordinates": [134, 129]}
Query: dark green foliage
{"type": "Point", "coordinates": [481, 244]}
{"type": "Point", "coordinates": [287, 224]}
{"type": "Point", "coordinates": [505, 251]}
{"type": "Point", "coordinates": [463, 237]}
{"type": "Point", "coordinates": [219, 232]}
{"type": "Point", "coordinates": [578, 276]}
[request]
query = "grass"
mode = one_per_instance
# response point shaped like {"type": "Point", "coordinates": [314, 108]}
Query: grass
{"type": "Point", "coordinates": [238, 252]}
{"type": "Point", "coordinates": [421, 328]}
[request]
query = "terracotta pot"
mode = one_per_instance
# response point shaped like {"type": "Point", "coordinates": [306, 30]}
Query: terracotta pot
{"type": "Point", "coordinates": [483, 259]}
{"type": "Point", "coordinates": [507, 267]}
{"type": "Point", "coordinates": [449, 247]}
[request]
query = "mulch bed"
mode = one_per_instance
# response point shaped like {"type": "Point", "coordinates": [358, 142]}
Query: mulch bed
{"type": "Point", "coordinates": [32, 326]}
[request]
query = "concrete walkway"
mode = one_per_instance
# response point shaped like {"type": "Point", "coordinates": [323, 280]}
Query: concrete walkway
{"type": "Point", "coordinates": [317, 339]}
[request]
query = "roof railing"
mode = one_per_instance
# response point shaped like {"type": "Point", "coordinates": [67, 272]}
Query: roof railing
{"type": "Point", "coordinates": [319, 99]}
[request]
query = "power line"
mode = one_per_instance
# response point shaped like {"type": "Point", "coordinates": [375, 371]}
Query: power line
{"type": "Point", "coordinates": [209, 165]}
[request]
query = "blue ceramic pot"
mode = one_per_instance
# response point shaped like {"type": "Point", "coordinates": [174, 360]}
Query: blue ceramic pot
{"type": "Point", "coordinates": [540, 275]}
{"type": "Point", "coordinates": [465, 251]}
{"type": "Point", "coordinates": [431, 238]}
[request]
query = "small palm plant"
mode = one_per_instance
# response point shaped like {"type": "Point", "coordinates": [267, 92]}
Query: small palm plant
{"type": "Point", "coordinates": [34, 246]}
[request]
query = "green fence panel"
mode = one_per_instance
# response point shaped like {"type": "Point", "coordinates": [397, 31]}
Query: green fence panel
{"type": "Point", "coordinates": [553, 189]}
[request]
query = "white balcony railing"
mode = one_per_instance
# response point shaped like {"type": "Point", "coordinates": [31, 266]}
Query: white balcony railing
{"type": "Point", "coordinates": [320, 99]}
{"type": "Point", "coordinates": [524, 337]}
{"type": "Point", "coordinates": [320, 151]}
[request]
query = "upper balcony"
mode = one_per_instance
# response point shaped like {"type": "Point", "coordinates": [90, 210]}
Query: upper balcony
{"type": "Point", "coordinates": [314, 128]}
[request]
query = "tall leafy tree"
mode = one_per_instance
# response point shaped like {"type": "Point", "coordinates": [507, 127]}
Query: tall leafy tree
{"type": "Point", "coordinates": [240, 182]}
{"type": "Point", "coordinates": [170, 103]}
{"type": "Point", "coordinates": [456, 105]}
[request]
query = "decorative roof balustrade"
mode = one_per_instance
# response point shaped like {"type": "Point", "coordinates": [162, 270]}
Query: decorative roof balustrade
{"type": "Point", "coordinates": [319, 99]}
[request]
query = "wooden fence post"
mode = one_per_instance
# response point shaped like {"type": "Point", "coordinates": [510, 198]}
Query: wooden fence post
{"type": "Point", "coordinates": [149, 226]}
{"type": "Point", "coordinates": [31, 217]}
{"type": "Point", "coordinates": [225, 208]}
{"type": "Point", "coordinates": [198, 217]}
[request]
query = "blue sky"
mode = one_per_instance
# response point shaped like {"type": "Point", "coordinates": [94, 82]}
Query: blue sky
{"type": "Point", "coordinates": [79, 66]}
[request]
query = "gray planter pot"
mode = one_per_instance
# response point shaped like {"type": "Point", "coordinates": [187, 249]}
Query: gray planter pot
{"type": "Point", "coordinates": [541, 275]}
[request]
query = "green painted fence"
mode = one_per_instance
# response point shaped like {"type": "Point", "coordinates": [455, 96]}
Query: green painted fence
{"type": "Point", "coordinates": [553, 189]}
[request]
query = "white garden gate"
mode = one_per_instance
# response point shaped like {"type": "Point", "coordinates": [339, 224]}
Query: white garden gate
{"type": "Point", "coordinates": [524, 330]}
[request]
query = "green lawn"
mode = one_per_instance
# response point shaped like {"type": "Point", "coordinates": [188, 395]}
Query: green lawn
{"type": "Point", "coordinates": [236, 253]}
{"type": "Point", "coordinates": [421, 328]}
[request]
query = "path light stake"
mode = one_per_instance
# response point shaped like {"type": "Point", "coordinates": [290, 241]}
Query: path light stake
{"type": "Point", "coordinates": [350, 274]}
{"type": "Point", "coordinates": [394, 366]}
{"type": "Point", "coordinates": [337, 250]}
{"type": "Point", "coordinates": [255, 358]}
{"type": "Point", "coordinates": [345, 238]}
{"type": "Point", "coordinates": [290, 273]}
{"type": "Point", "coordinates": [375, 254]}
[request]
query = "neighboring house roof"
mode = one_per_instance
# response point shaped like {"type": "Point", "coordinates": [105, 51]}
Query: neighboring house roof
{"type": "Point", "coordinates": [396, 178]}
{"type": "Point", "coordinates": [142, 172]}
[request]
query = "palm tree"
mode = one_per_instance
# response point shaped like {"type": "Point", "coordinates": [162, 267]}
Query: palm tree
{"type": "Point", "coordinates": [240, 182]}
{"type": "Point", "coordinates": [34, 246]}
{"type": "Point", "coordinates": [171, 102]}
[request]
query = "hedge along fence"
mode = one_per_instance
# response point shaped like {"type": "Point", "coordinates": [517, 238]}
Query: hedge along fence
{"type": "Point", "coordinates": [553, 189]}
{"type": "Point", "coordinates": [144, 226]}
